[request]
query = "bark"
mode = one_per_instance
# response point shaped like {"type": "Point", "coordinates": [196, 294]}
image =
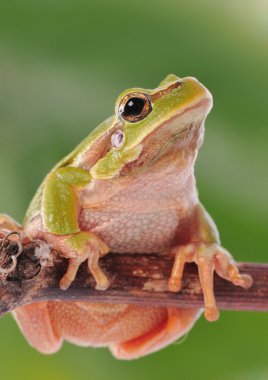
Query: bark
{"type": "Point", "coordinates": [138, 279]}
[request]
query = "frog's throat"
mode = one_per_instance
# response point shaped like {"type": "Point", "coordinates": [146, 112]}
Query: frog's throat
{"type": "Point", "coordinates": [170, 141]}
{"type": "Point", "coordinates": [177, 117]}
{"type": "Point", "coordinates": [189, 126]}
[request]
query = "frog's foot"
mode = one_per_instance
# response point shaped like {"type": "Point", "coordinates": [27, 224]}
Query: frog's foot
{"type": "Point", "coordinates": [79, 248]}
{"type": "Point", "coordinates": [209, 258]}
{"type": "Point", "coordinates": [7, 223]}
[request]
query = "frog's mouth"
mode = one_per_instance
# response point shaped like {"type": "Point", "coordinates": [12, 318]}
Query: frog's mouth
{"type": "Point", "coordinates": [183, 121]}
{"type": "Point", "coordinates": [184, 130]}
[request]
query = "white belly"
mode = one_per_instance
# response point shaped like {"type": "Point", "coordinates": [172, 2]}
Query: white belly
{"type": "Point", "coordinates": [133, 232]}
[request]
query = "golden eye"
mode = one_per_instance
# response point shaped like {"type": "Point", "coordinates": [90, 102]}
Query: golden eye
{"type": "Point", "coordinates": [135, 107]}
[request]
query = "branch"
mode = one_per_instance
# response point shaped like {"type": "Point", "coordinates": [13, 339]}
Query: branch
{"type": "Point", "coordinates": [137, 279]}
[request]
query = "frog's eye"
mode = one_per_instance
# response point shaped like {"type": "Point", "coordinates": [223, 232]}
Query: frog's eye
{"type": "Point", "coordinates": [135, 107]}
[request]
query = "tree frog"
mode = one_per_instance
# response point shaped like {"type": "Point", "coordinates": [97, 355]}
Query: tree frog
{"type": "Point", "coordinates": [129, 187]}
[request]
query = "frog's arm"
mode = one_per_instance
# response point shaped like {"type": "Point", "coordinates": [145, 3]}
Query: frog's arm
{"type": "Point", "coordinates": [8, 223]}
{"type": "Point", "coordinates": [59, 201]}
{"type": "Point", "coordinates": [60, 209]}
{"type": "Point", "coordinates": [206, 230]}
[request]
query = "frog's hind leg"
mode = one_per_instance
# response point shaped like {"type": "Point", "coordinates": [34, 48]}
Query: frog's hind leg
{"type": "Point", "coordinates": [36, 325]}
{"type": "Point", "coordinates": [176, 324]}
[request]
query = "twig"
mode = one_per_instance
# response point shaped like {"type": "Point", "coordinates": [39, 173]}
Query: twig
{"type": "Point", "coordinates": [138, 279]}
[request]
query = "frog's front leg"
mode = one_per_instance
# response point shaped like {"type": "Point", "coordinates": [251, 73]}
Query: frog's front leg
{"type": "Point", "coordinates": [206, 252]}
{"type": "Point", "coordinates": [7, 223]}
{"type": "Point", "coordinates": [79, 248]}
{"type": "Point", "coordinates": [60, 211]}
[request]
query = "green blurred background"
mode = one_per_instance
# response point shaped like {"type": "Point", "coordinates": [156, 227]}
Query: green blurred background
{"type": "Point", "coordinates": [62, 64]}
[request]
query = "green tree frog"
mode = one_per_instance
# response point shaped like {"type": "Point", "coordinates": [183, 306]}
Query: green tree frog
{"type": "Point", "coordinates": [129, 187]}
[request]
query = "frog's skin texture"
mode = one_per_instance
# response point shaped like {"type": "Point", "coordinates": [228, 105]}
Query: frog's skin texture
{"type": "Point", "coordinates": [129, 187]}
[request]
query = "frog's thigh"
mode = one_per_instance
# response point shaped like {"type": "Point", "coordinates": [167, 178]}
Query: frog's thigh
{"type": "Point", "coordinates": [36, 325]}
{"type": "Point", "coordinates": [177, 323]}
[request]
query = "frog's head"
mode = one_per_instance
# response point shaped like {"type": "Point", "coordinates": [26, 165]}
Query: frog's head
{"type": "Point", "coordinates": [148, 123]}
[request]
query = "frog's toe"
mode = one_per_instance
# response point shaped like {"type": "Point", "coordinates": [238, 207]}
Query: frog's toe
{"type": "Point", "coordinates": [70, 275]}
{"type": "Point", "coordinates": [65, 282]}
{"type": "Point", "coordinates": [102, 282]}
{"type": "Point", "coordinates": [227, 269]}
{"type": "Point", "coordinates": [7, 223]}
{"type": "Point", "coordinates": [212, 313]}
{"type": "Point", "coordinates": [210, 258]}
{"type": "Point", "coordinates": [205, 261]}
{"type": "Point", "coordinates": [182, 255]}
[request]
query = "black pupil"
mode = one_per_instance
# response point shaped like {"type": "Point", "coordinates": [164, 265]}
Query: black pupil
{"type": "Point", "coordinates": [134, 106]}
